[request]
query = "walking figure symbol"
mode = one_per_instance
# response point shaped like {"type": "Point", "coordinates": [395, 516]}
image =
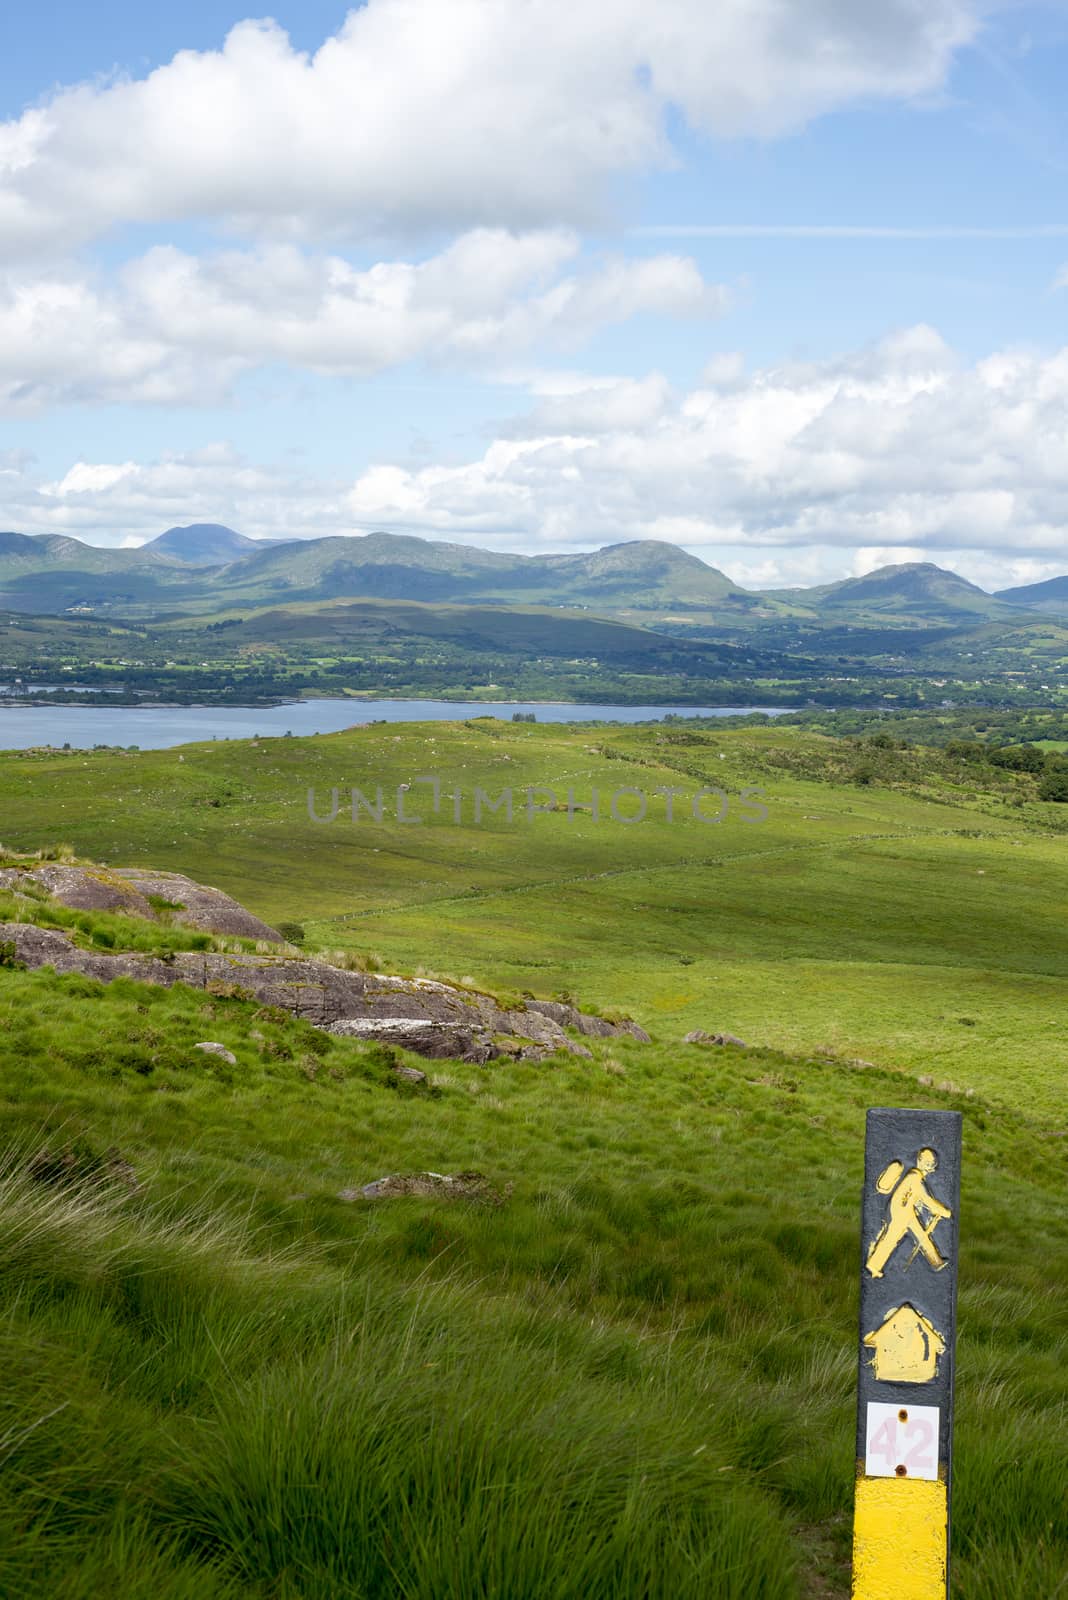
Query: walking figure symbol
{"type": "Point", "coordinates": [910, 1202]}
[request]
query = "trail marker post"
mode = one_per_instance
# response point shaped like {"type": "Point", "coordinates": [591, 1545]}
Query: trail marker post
{"type": "Point", "coordinates": [908, 1312]}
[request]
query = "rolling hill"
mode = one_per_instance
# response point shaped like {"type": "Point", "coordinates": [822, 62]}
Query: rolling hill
{"type": "Point", "coordinates": [918, 592]}
{"type": "Point", "coordinates": [530, 631]}
{"type": "Point", "coordinates": [191, 569]}
{"type": "Point", "coordinates": [204, 569]}
{"type": "Point", "coordinates": [1049, 596]}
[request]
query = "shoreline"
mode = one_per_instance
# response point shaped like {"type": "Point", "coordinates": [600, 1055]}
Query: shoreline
{"type": "Point", "coordinates": [382, 699]}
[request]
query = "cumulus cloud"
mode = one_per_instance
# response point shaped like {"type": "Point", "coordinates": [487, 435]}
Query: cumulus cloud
{"type": "Point", "coordinates": [119, 504]}
{"type": "Point", "coordinates": [797, 473]}
{"type": "Point", "coordinates": [178, 328]}
{"type": "Point", "coordinates": [418, 115]}
{"type": "Point", "coordinates": [895, 447]}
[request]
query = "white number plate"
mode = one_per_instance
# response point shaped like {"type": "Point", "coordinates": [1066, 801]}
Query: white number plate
{"type": "Point", "coordinates": [902, 1441]}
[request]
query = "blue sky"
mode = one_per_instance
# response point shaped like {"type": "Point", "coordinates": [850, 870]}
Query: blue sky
{"type": "Point", "coordinates": [539, 276]}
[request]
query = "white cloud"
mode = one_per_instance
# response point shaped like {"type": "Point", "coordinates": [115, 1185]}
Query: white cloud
{"type": "Point", "coordinates": [602, 406]}
{"type": "Point", "coordinates": [177, 328]}
{"type": "Point", "coordinates": [419, 115]}
{"type": "Point", "coordinates": [124, 503]}
{"type": "Point", "coordinates": [86, 478]}
{"type": "Point", "coordinates": [790, 474]}
{"type": "Point", "coordinates": [895, 447]}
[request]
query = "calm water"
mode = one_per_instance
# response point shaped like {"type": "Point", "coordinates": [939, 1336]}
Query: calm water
{"type": "Point", "coordinates": [160, 727]}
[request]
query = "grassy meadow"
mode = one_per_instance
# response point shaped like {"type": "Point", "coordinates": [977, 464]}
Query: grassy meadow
{"type": "Point", "coordinates": [633, 1377]}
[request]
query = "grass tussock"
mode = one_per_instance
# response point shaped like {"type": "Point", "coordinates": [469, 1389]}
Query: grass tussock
{"type": "Point", "coordinates": [635, 1378]}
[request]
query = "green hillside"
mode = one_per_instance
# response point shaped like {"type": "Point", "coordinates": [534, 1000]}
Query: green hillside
{"type": "Point", "coordinates": [190, 569]}
{"type": "Point", "coordinates": [381, 647]}
{"type": "Point", "coordinates": [794, 929]}
{"type": "Point", "coordinates": [1051, 595]}
{"type": "Point", "coordinates": [529, 629]}
{"type": "Point", "coordinates": [908, 614]}
{"type": "Point", "coordinates": [634, 1375]}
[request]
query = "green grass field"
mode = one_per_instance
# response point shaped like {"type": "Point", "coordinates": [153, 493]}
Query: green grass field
{"type": "Point", "coordinates": [633, 1378]}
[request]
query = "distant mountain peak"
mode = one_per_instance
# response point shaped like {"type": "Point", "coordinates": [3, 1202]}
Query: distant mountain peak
{"type": "Point", "coordinates": [204, 544]}
{"type": "Point", "coordinates": [926, 569]}
{"type": "Point", "coordinates": [909, 588]}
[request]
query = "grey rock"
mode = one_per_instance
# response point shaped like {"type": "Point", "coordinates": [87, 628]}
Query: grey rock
{"type": "Point", "coordinates": [541, 1030]}
{"type": "Point", "coordinates": [211, 1047]}
{"type": "Point", "coordinates": [91, 889]}
{"type": "Point", "coordinates": [594, 1027]}
{"type": "Point", "coordinates": [636, 1032]}
{"type": "Point", "coordinates": [409, 1074]}
{"type": "Point", "coordinates": [41, 947]}
{"type": "Point", "coordinates": [81, 888]}
{"type": "Point", "coordinates": [96, 888]}
{"type": "Point", "coordinates": [699, 1036]}
{"type": "Point", "coordinates": [200, 906]}
{"type": "Point", "coordinates": [431, 1185]}
{"type": "Point", "coordinates": [437, 1041]}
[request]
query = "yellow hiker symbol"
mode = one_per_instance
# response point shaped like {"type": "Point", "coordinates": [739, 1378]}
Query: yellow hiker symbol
{"type": "Point", "coordinates": [910, 1201]}
{"type": "Point", "coordinates": [907, 1347]}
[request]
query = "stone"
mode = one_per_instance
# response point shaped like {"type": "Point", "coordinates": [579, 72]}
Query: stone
{"type": "Point", "coordinates": [211, 1047]}
{"type": "Point", "coordinates": [474, 1186]}
{"type": "Point", "coordinates": [699, 1036]}
{"type": "Point", "coordinates": [569, 1016]}
{"type": "Point", "coordinates": [409, 1074]}
{"type": "Point", "coordinates": [539, 1029]}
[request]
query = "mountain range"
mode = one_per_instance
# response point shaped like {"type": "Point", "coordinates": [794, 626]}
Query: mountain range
{"type": "Point", "coordinates": [206, 567]}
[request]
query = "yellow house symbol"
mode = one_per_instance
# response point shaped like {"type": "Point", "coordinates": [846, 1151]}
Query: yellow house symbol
{"type": "Point", "coordinates": [907, 1347]}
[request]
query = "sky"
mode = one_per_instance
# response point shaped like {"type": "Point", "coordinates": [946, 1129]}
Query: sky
{"type": "Point", "coordinates": [784, 282]}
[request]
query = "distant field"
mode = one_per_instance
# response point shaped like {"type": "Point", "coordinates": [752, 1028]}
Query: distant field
{"type": "Point", "coordinates": [920, 926]}
{"type": "Point", "coordinates": [634, 1379]}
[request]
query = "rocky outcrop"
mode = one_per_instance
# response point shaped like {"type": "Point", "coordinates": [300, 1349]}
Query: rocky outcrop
{"type": "Point", "coordinates": [433, 1019]}
{"type": "Point", "coordinates": [198, 906]}
{"type": "Point", "coordinates": [127, 889]}
{"type": "Point", "coordinates": [81, 888]}
{"type": "Point", "coordinates": [594, 1027]}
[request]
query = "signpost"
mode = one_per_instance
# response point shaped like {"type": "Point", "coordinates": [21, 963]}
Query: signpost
{"type": "Point", "coordinates": [908, 1309]}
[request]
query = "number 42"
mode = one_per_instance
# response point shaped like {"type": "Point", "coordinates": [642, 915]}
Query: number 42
{"type": "Point", "coordinates": [902, 1441]}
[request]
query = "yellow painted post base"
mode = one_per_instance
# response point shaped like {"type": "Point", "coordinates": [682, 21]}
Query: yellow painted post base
{"type": "Point", "coordinates": [900, 1539]}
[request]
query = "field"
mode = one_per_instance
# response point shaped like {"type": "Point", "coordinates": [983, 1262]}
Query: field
{"type": "Point", "coordinates": [634, 1376]}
